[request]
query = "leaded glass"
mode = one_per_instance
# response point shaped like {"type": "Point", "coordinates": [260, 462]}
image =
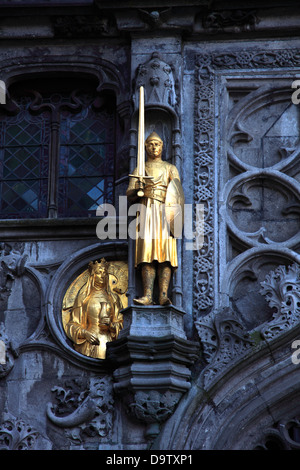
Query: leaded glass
{"type": "Point", "coordinates": [86, 166]}
{"type": "Point", "coordinates": [85, 176]}
{"type": "Point", "coordinates": [24, 142]}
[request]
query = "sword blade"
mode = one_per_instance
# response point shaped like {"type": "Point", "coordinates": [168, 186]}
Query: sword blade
{"type": "Point", "coordinates": [141, 136]}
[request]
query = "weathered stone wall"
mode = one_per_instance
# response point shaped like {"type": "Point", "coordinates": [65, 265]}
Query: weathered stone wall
{"type": "Point", "coordinates": [219, 91]}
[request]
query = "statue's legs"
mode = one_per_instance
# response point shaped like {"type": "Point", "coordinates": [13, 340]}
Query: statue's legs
{"type": "Point", "coordinates": [148, 276]}
{"type": "Point", "coordinates": [164, 277]}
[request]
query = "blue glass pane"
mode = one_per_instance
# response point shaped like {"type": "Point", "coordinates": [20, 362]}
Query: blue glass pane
{"type": "Point", "coordinates": [87, 126]}
{"type": "Point", "coordinates": [22, 197]}
{"type": "Point", "coordinates": [80, 197]}
{"type": "Point", "coordinates": [86, 166]}
{"type": "Point", "coordinates": [24, 141]}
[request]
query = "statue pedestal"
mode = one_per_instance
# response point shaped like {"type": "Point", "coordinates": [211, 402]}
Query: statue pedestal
{"type": "Point", "coordinates": [151, 360]}
{"type": "Point", "coordinates": [153, 320]}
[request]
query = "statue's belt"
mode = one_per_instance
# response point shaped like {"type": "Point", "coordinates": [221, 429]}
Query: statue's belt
{"type": "Point", "coordinates": [156, 192]}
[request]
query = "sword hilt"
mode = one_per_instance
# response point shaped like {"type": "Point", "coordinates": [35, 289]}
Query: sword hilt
{"type": "Point", "coordinates": [140, 191]}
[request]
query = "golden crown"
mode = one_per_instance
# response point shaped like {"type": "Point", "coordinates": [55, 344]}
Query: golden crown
{"type": "Point", "coordinates": [93, 266]}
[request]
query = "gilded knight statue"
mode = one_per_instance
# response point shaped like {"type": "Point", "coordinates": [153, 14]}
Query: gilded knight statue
{"type": "Point", "coordinates": [95, 317]}
{"type": "Point", "coordinates": [156, 249]}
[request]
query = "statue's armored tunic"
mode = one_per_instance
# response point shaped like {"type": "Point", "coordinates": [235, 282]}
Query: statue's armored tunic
{"type": "Point", "coordinates": [155, 243]}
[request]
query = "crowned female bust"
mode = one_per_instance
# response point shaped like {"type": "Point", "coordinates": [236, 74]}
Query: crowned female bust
{"type": "Point", "coordinates": [95, 317]}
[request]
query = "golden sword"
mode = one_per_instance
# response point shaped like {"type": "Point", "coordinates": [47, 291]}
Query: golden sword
{"type": "Point", "coordinates": [141, 147]}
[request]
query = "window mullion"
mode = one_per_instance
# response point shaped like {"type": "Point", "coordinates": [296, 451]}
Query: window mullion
{"type": "Point", "coordinates": [53, 165]}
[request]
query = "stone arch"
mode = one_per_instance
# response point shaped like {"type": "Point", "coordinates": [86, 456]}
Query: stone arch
{"type": "Point", "coordinates": [238, 409]}
{"type": "Point", "coordinates": [108, 75]}
{"type": "Point", "coordinates": [244, 274]}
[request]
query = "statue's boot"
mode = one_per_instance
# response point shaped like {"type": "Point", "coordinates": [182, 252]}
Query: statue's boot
{"type": "Point", "coordinates": [164, 277]}
{"type": "Point", "coordinates": [148, 276]}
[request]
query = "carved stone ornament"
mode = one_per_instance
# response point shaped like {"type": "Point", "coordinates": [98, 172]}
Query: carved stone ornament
{"type": "Point", "coordinates": [15, 434]}
{"type": "Point", "coordinates": [230, 20]}
{"type": "Point", "coordinates": [224, 339]}
{"type": "Point", "coordinates": [282, 436]}
{"type": "Point", "coordinates": [12, 266]}
{"type": "Point", "coordinates": [82, 26]}
{"type": "Point", "coordinates": [282, 291]}
{"type": "Point", "coordinates": [83, 412]}
{"type": "Point", "coordinates": [247, 170]}
{"type": "Point", "coordinates": [12, 263]}
{"type": "Point", "coordinates": [156, 76]}
{"type": "Point", "coordinates": [7, 353]}
{"type": "Point", "coordinates": [153, 408]}
{"type": "Point", "coordinates": [152, 360]}
{"type": "Point", "coordinates": [155, 18]}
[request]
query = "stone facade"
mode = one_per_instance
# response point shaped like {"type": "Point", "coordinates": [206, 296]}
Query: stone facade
{"type": "Point", "coordinates": [216, 369]}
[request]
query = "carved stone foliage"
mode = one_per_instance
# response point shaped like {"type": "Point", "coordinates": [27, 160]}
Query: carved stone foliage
{"type": "Point", "coordinates": [84, 411]}
{"type": "Point", "coordinates": [256, 198]}
{"type": "Point", "coordinates": [83, 26]}
{"type": "Point", "coordinates": [230, 20]}
{"type": "Point", "coordinates": [153, 408]}
{"type": "Point", "coordinates": [282, 291]}
{"type": "Point", "coordinates": [225, 337]}
{"type": "Point", "coordinates": [15, 434]}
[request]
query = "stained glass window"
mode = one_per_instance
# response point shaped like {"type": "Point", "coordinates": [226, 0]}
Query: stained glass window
{"type": "Point", "coordinates": [84, 155]}
{"type": "Point", "coordinates": [24, 165]}
{"type": "Point", "coordinates": [86, 161]}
